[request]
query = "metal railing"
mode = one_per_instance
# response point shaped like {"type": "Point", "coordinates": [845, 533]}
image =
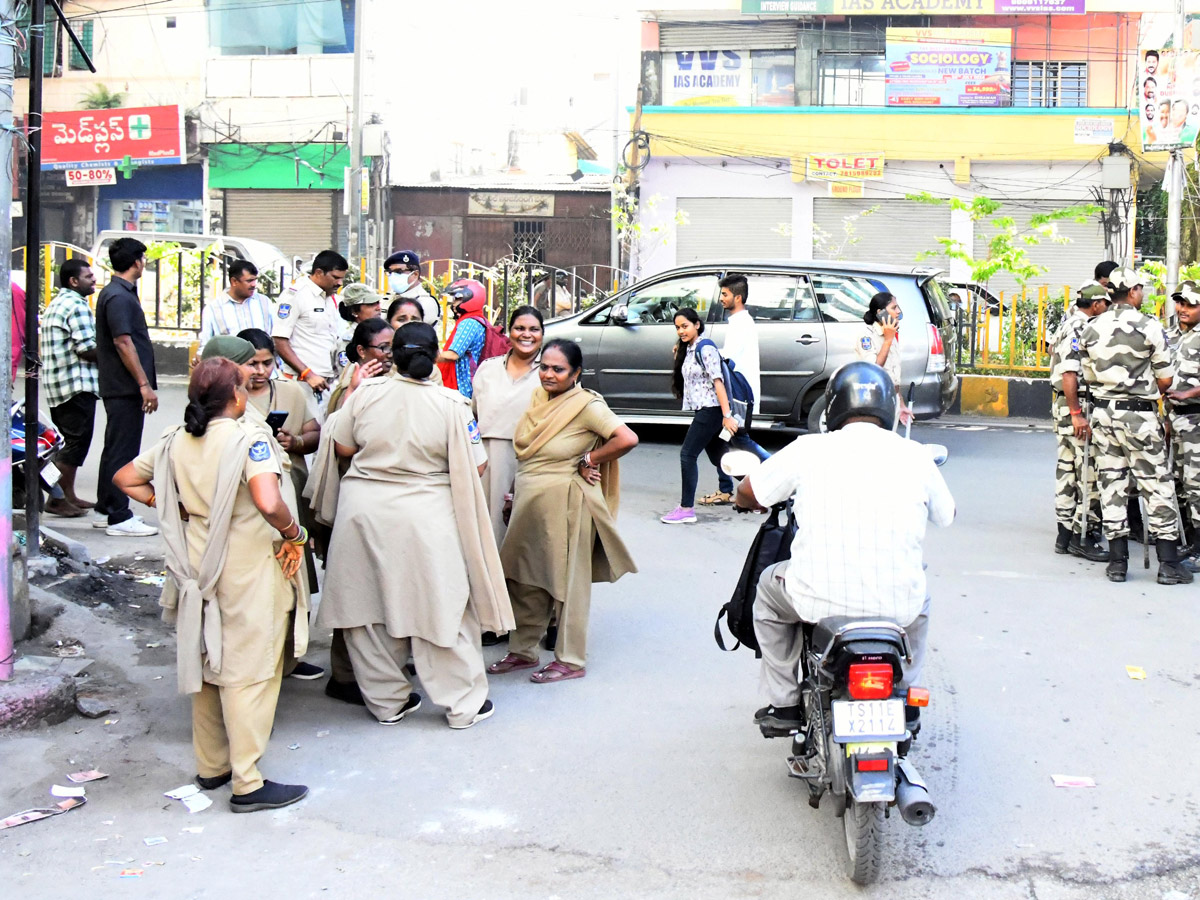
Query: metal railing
{"type": "Point", "coordinates": [1011, 335]}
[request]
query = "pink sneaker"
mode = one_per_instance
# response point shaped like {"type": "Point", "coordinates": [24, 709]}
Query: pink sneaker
{"type": "Point", "coordinates": [679, 516]}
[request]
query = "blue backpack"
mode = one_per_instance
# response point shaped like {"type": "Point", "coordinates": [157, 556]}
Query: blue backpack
{"type": "Point", "coordinates": [737, 388]}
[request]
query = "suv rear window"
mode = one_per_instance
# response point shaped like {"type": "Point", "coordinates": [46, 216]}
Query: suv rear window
{"type": "Point", "coordinates": [936, 301]}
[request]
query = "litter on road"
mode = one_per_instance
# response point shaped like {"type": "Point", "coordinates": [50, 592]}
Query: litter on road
{"type": "Point", "coordinates": [186, 790]}
{"type": "Point", "coordinates": [1137, 673]}
{"type": "Point", "coordinates": [62, 790]}
{"type": "Point", "coordinates": [197, 803]}
{"type": "Point", "coordinates": [84, 777]}
{"type": "Point", "coordinates": [132, 873]}
{"type": "Point", "coordinates": [33, 815]}
{"type": "Point", "coordinates": [154, 841]}
{"type": "Point", "coordinates": [1073, 781]}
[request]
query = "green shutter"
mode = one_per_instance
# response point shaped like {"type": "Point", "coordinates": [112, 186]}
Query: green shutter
{"type": "Point", "coordinates": [84, 34]}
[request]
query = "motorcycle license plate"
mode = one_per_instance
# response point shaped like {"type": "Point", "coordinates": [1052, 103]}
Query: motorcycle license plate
{"type": "Point", "coordinates": [867, 720]}
{"type": "Point", "coordinates": [50, 474]}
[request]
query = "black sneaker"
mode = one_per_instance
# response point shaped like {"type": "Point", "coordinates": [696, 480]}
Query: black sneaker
{"type": "Point", "coordinates": [211, 784]}
{"type": "Point", "coordinates": [269, 796]}
{"type": "Point", "coordinates": [491, 639]}
{"type": "Point", "coordinates": [346, 691]}
{"type": "Point", "coordinates": [411, 705]}
{"type": "Point", "coordinates": [306, 671]}
{"type": "Point", "coordinates": [485, 712]}
{"type": "Point", "coordinates": [779, 721]}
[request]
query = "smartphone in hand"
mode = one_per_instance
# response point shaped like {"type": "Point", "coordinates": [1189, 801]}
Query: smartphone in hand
{"type": "Point", "coordinates": [275, 419]}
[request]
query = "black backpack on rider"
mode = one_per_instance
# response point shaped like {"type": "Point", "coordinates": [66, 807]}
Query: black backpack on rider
{"type": "Point", "coordinates": [772, 544]}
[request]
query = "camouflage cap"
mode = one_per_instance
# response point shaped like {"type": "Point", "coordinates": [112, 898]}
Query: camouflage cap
{"type": "Point", "coordinates": [358, 294]}
{"type": "Point", "coordinates": [1090, 292]}
{"type": "Point", "coordinates": [1126, 279]}
{"type": "Point", "coordinates": [1189, 293]}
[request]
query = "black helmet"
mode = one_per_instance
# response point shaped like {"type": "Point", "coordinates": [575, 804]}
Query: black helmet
{"type": "Point", "coordinates": [860, 389]}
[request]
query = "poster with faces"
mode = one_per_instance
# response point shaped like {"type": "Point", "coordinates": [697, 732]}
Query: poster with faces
{"type": "Point", "coordinates": [1168, 97]}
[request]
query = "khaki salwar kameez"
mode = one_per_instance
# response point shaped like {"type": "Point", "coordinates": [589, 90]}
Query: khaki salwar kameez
{"type": "Point", "coordinates": [562, 534]}
{"type": "Point", "coordinates": [413, 565]}
{"type": "Point", "coordinates": [232, 604]}
{"type": "Point", "coordinates": [499, 403]}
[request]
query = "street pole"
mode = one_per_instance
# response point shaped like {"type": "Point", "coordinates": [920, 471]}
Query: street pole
{"type": "Point", "coordinates": [1175, 189]}
{"type": "Point", "coordinates": [614, 236]}
{"type": "Point", "coordinates": [8, 32]}
{"type": "Point", "coordinates": [356, 154]}
{"type": "Point", "coordinates": [33, 276]}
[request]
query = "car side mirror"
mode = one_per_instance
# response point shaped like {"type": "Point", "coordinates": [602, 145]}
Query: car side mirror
{"type": "Point", "coordinates": [620, 314]}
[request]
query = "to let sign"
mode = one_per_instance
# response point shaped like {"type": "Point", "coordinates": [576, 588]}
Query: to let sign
{"type": "Point", "coordinates": [88, 177]}
{"type": "Point", "coordinates": [845, 165]}
{"type": "Point", "coordinates": [103, 138]}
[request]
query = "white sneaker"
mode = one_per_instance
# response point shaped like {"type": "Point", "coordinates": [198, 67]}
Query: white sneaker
{"type": "Point", "coordinates": [133, 527]}
{"type": "Point", "coordinates": [98, 519]}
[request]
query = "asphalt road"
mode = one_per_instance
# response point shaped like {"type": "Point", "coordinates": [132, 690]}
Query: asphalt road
{"type": "Point", "coordinates": [647, 777]}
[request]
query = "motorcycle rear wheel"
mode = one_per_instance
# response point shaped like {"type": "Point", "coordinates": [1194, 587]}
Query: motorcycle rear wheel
{"type": "Point", "coordinates": [863, 825]}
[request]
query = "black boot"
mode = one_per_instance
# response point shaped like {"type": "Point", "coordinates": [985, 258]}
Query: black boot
{"type": "Point", "coordinates": [1118, 558]}
{"type": "Point", "coordinates": [1089, 548]}
{"type": "Point", "coordinates": [1170, 570]}
{"type": "Point", "coordinates": [1062, 542]}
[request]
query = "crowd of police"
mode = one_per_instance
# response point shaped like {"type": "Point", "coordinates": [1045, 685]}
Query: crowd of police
{"type": "Point", "coordinates": [1127, 420]}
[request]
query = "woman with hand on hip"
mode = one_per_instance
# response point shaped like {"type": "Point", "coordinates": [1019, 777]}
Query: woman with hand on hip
{"type": "Point", "coordinates": [698, 383]}
{"type": "Point", "coordinates": [233, 552]}
{"type": "Point", "coordinates": [567, 444]}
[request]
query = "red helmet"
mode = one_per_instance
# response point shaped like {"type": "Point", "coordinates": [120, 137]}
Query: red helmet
{"type": "Point", "coordinates": [468, 295]}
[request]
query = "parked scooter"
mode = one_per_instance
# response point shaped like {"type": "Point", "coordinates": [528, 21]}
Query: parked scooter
{"type": "Point", "coordinates": [860, 720]}
{"type": "Point", "coordinates": [49, 442]}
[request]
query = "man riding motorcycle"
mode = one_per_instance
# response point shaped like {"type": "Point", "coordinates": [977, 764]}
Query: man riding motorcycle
{"type": "Point", "coordinates": [862, 496]}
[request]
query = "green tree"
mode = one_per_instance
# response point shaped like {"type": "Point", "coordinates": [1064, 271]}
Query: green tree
{"type": "Point", "coordinates": [100, 97]}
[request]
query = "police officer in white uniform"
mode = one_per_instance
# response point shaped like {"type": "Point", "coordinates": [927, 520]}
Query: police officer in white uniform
{"type": "Point", "coordinates": [307, 323]}
{"type": "Point", "coordinates": [404, 281]}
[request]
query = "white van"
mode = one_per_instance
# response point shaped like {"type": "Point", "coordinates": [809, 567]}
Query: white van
{"type": "Point", "coordinates": [266, 257]}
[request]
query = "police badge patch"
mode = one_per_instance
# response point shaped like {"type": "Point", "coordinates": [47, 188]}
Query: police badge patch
{"type": "Point", "coordinates": [285, 310]}
{"type": "Point", "coordinates": [473, 431]}
{"type": "Point", "coordinates": [866, 342]}
{"type": "Point", "coordinates": [343, 359]}
{"type": "Point", "coordinates": [259, 451]}
{"type": "Point", "coordinates": [1075, 344]}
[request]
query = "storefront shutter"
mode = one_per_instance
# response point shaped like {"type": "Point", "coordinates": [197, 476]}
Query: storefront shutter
{"type": "Point", "coordinates": [300, 223]}
{"type": "Point", "coordinates": [1071, 263]}
{"type": "Point", "coordinates": [894, 232]}
{"type": "Point", "coordinates": [727, 36]}
{"type": "Point", "coordinates": [728, 228]}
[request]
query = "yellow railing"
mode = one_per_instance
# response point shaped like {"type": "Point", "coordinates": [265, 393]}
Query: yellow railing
{"type": "Point", "coordinates": [1013, 334]}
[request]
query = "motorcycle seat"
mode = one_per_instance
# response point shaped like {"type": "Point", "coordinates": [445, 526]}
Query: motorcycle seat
{"type": "Point", "coordinates": [857, 628]}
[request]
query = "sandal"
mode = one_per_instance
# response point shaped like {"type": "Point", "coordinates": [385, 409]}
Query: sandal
{"type": "Point", "coordinates": [716, 498]}
{"type": "Point", "coordinates": [556, 671]}
{"type": "Point", "coordinates": [511, 663]}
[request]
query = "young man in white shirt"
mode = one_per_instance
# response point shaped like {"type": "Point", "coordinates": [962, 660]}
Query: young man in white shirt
{"type": "Point", "coordinates": [741, 348]}
{"type": "Point", "coordinates": [239, 308]}
{"type": "Point", "coordinates": [857, 551]}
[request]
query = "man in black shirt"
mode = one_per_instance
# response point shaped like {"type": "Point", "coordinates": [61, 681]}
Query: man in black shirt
{"type": "Point", "coordinates": [125, 358]}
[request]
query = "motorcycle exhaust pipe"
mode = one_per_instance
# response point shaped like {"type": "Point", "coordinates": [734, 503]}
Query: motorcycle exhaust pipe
{"type": "Point", "coordinates": [912, 796]}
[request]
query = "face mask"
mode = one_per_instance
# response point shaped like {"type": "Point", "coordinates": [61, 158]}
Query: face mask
{"type": "Point", "coordinates": [398, 282]}
{"type": "Point", "coordinates": [899, 317]}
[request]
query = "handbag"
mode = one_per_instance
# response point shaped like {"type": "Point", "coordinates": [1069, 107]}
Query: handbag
{"type": "Point", "coordinates": [772, 544]}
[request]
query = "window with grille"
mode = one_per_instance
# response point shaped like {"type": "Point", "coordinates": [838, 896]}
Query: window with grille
{"type": "Point", "coordinates": [51, 60]}
{"type": "Point", "coordinates": [529, 241]}
{"type": "Point", "coordinates": [1049, 84]}
{"type": "Point", "coordinates": [851, 79]}
{"type": "Point", "coordinates": [84, 32]}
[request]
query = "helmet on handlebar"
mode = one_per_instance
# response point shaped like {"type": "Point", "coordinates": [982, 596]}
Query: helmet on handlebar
{"type": "Point", "coordinates": [860, 389]}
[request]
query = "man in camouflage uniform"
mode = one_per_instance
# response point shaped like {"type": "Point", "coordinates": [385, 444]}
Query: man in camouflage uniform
{"type": "Point", "coordinates": [1185, 401]}
{"type": "Point", "coordinates": [1127, 365]}
{"type": "Point", "coordinates": [1070, 477]}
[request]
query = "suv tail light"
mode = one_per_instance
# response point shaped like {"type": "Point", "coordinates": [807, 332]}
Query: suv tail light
{"type": "Point", "coordinates": [937, 351]}
{"type": "Point", "coordinates": [870, 681]}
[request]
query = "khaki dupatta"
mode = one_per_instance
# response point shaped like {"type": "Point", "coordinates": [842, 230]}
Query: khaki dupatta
{"type": "Point", "coordinates": [546, 417]}
{"type": "Point", "coordinates": [189, 598]}
{"type": "Point", "coordinates": [324, 477]}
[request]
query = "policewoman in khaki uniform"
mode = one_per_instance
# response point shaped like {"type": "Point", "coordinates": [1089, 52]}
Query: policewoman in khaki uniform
{"type": "Point", "coordinates": [233, 551]}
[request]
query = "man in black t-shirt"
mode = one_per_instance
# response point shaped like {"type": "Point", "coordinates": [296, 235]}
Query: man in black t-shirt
{"type": "Point", "coordinates": [125, 358]}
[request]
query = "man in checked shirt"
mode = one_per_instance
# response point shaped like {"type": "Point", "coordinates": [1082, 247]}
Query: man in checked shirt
{"type": "Point", "coordinates": [857, 549]}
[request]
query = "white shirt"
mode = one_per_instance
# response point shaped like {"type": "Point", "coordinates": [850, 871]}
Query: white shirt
{"type": "Point", "coordinates": [741, 346]}
{"type": "Point", "coordinates": [433, 312]}
{"type": "Point", "coordinates": [862, 498]}
{"type": "Point", "coordinates": [308, 317]}
{"type": "Point", "coordinates": [224, 315]}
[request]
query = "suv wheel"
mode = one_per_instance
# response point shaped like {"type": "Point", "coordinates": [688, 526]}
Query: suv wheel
{"type": "Point", "coordinates": [816, 415]}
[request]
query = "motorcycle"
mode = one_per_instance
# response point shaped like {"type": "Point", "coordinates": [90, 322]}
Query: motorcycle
{"type": "Point", "coordinates": [49, 443]}
{"type": "Point", "coordinates": [860, 720]}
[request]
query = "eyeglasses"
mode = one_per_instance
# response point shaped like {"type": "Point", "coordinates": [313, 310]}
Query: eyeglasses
{"type": "Point", "coordinates": [381, 348]}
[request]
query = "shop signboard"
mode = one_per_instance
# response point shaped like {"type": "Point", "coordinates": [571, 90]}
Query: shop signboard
{"type": "Point", "coordinates": [1168, 97]}
{"type": "Point", "coordinates": [103, 138]}
{"type": "Point", "coordinates": [914, 7]}
{"type": "Point", "coordinates": [842, 166]}
{"type": "Point", "coordinates": [707, 78]}
{"type": "Point", "coordinates": [949, 66]}
{"type": "Point", "coordinates": [90, 177]}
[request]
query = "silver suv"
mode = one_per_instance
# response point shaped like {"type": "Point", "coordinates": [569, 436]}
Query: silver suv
{"type": "Point", "coordinates": [809, 318]}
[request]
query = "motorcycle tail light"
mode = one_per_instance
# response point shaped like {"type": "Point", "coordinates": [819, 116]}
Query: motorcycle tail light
{"type": "Point", "coordinates": [870, 681]}
{"type": "Point", "coordinates": [917, 696]}
{"type": "Point", "coordinates": [871, 763]}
